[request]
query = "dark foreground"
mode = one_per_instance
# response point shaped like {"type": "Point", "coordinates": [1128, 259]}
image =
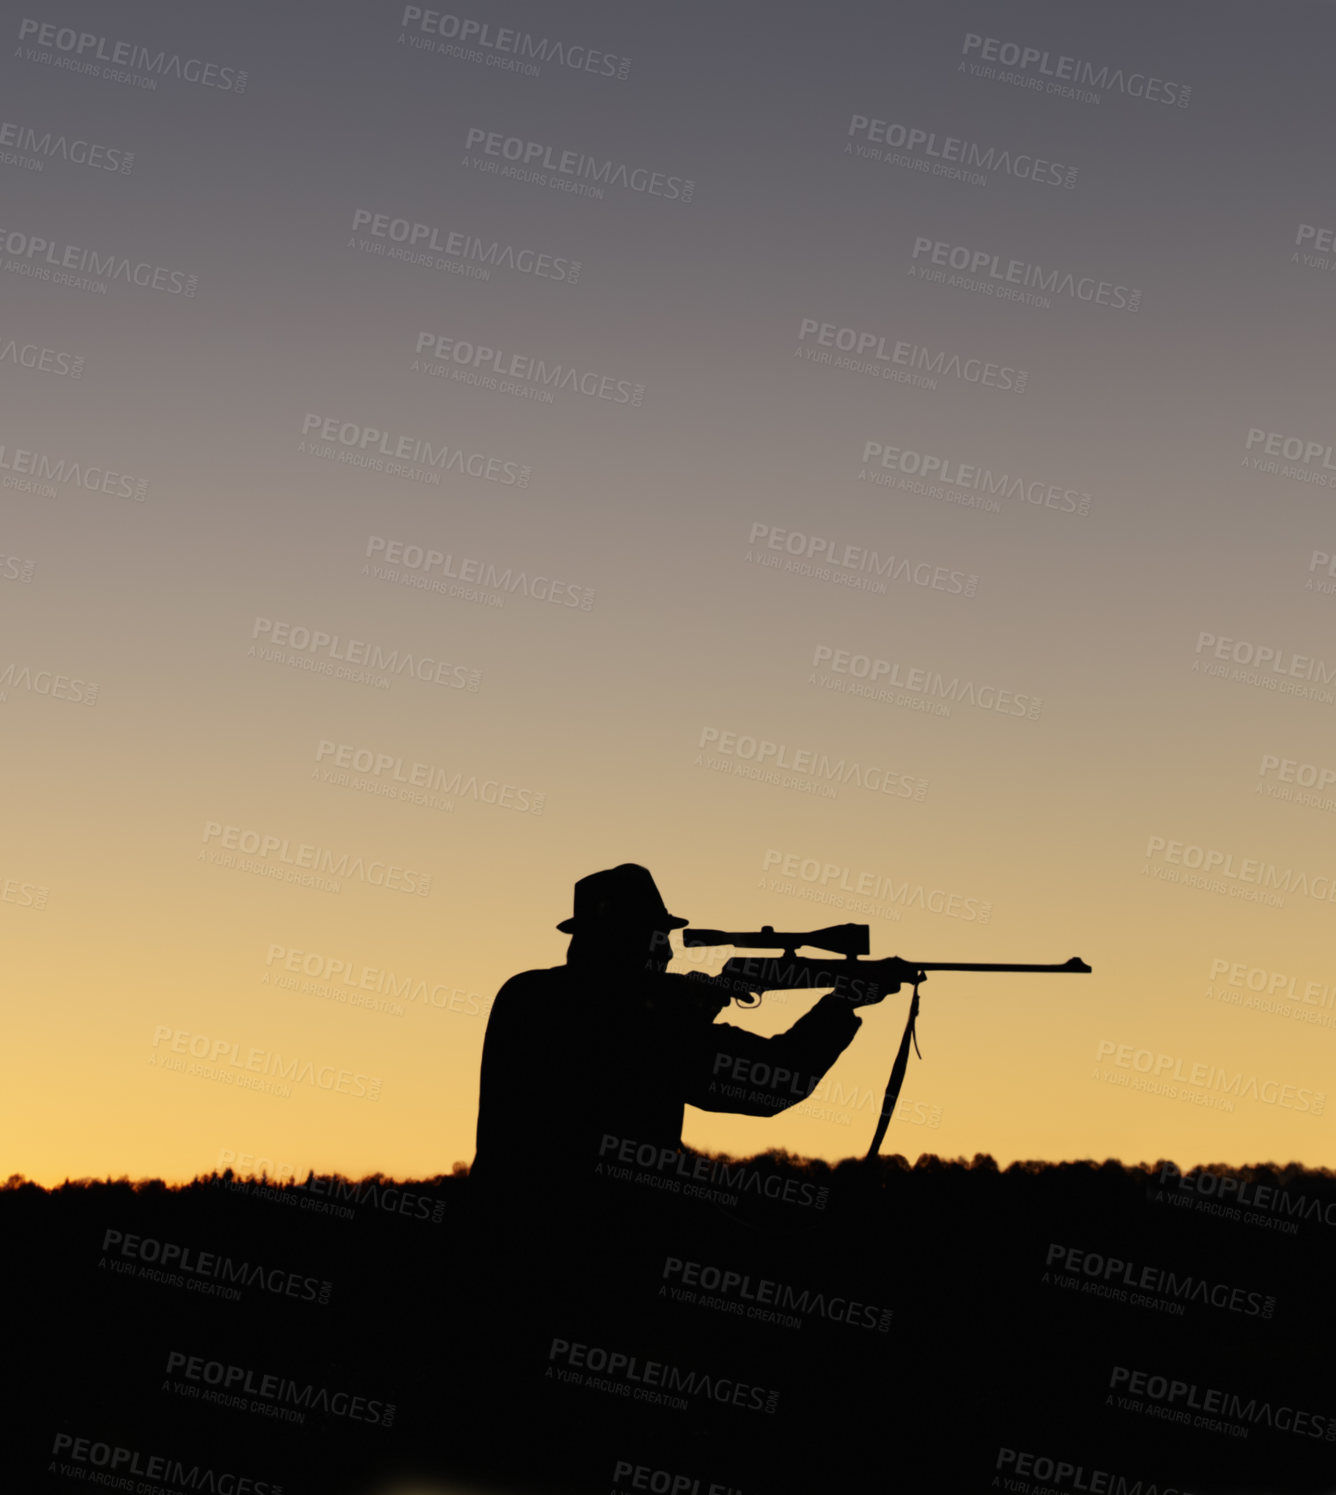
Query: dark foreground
{"type": "Point", "coordinates": [1080, 1328]}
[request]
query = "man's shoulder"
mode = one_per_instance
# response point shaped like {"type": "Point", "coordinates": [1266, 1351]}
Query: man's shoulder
{"type": "Point", "coordinates": [533, 985]}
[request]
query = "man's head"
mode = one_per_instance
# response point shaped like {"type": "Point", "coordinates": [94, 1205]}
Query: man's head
{"type": "Point", "coordinates": [620, 919]}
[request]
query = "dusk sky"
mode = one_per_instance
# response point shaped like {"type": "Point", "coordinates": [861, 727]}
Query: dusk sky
{"type": "Point", "coordinates": [436, 468]}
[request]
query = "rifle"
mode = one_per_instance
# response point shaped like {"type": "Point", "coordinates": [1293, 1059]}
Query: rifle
{"type": "Point", "coordinates": [855, 979]}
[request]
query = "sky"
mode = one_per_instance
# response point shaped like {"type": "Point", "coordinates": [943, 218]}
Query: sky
{"type": "Point", "coordinates": [867, 467]}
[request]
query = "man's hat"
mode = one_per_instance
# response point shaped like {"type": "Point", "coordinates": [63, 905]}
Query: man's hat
{"type": "Point", "coordinates": [624, 895]}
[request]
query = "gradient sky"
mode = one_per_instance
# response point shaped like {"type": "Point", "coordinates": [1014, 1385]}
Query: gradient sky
{"type": "Point", "coordinates": [650, 511]}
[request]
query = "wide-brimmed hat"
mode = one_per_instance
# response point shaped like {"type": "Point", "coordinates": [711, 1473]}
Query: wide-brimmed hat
{"type": "Point", "coordinates": [622, 896]}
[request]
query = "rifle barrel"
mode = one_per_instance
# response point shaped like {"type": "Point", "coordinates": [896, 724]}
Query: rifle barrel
{"type": "Point", "coordinates": [1074, 966]}
{"type": "Point", "coordinates": [802, 972]}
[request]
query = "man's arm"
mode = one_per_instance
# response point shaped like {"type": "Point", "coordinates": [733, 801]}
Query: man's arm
{"type": "Point", "coordinates": [734, 1070]}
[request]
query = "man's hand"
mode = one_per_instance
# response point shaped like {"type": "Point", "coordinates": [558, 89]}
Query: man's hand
{"type": "Point", "coordinates": [884, 979]}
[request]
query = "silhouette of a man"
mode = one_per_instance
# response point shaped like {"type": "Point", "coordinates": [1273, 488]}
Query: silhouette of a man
{"type": "Point", "coordinates": [611, 1045]}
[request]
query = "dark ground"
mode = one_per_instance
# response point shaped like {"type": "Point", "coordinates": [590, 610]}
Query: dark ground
{"type": "Point", "coordinates": [982, 1375]}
